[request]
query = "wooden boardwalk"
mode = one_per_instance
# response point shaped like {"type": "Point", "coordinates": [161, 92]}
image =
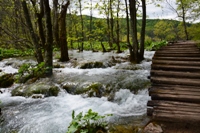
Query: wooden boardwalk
{"type": "Point", "coordinates": [175, 89]}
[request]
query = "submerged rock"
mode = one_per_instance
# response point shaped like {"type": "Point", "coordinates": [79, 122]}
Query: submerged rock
{"type": "Point", "coordinates": [6, 80]}
{"type": "Point", "coordinates": [36, 88]}
{"type": "Point", "coordinates": [86, 89]}
{"type": "Point", "coordinates": [89, 65]}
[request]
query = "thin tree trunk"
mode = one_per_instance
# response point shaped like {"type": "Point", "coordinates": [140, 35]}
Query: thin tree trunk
{"type": "Point", "coordinates": [128, 34]}
{"type": "Point", "coordinates": [103, 48]}
{"type": "Point", "coordinates": [82, 33]}
{"type": "Point", "coordinates": [63, 34]}
{"type": "Point", "coordinates": [49, 39]}
{"type": "Point", "coordinates": [90, 36]}
{"type": "Point", "coordinates": [34, 37]}
{"type": "Point", "coordinates": [132, 6]}
{"type": "Point", "coordinates": [184, 21]}
{"type": "Point", "coordinates": [117, 29]}
{"type": "Point", "coordinates": [111, 23]}
{"type": "Point", "coordinates": [55, 23]}
{"type": "Point", "coordinates": [142, 38]}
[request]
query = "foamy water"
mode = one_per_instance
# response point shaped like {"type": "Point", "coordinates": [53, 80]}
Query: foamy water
{"type": "Point", "coordinates": [53, 114]}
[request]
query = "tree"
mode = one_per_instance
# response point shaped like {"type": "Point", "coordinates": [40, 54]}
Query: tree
{"type": "Point", "coordinates": [82, 24]}
{"type": "Point", "coordinates": [38, 52]}
{"type": "Point", "coordinates": [186, 10]}
{"type": "Point", "coordinates": [63, 39]}
{"type": "Point", "coordinates": [136, 52]}
{"type": "Point", "coordinates": [49, 39]}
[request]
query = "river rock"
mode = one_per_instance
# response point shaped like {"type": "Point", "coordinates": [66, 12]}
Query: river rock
{"type": "Point", "coordinates": [47, 89]}
{"type": "Point", "coordinates": [153, 128]}
{"type": "Point", "coordinates": [89, 65]}
{"type": "Point", "coordinates": [91, 90]}
{"type": "Point", "coordinates": [6, 80]}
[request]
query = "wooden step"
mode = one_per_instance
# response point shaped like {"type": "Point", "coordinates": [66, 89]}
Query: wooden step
{"type": "Point", "coordinates": [173, 92]}
{"type": "Point", "coordinates": [174, 97]}
{"type": "Point", "coordinates": [174, 74]}
{"type": "Point", "coordinates": [176, 81]}
{"type": "Point", "coordinates": [172, 104]}
{"type": "Point", "coordinates": [177, 58]}
{"type": "Point", "coordinates": [169, 62]}
{"type": "Point", "coordinates": [175, 68]}
{"type": "Point", "coordinates": [175, 88]}
{"type": "Point", "coordinates": [172, 116]}
{"type": "Point", "coordinates": [177, 54]}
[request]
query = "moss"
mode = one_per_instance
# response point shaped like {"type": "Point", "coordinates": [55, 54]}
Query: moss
{"type": "Point", "coordinates": [18, 91]}
{"type": "Point", "coordinates": [6, 80]}
{"type": "Point", "coordinates": [38, 88]}
{"type": "Point", "coordinates": [94, 89]}
{"type": "Point", "coordinates": [92, 65]}
{"type": "Point", "coordinates": [53, 91]}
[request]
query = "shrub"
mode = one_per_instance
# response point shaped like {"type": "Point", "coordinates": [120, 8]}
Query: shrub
{"type": "Point", "coordinates": [91, 122]}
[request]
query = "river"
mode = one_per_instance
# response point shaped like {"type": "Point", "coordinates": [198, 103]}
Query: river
{"type": "Point", "coordinates": [53, 114]}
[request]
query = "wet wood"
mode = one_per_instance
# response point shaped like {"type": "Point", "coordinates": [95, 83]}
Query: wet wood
{"type": "Point", "coordinates": [191, 75]}
{"type": "Point", "coordinates": [175, 78]}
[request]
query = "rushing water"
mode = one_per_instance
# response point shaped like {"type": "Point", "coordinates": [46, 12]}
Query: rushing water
{"type": "Point", "coordinates": [53, 114]}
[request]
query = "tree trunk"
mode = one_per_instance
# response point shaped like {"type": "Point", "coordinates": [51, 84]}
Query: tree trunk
{"type": "Point", "coordinates": [134, 51]}
{"type": "Point", "coordinates": [63, 39]}
{"type": "Point", "coordinates": [38, 52]}
{"type": "Point", "coordinates": [142, 38]}
{"type": "Point", "coordinates": [111, 22]}
{"type": "Point", "coordinates": [117, 29]}
{"type": "Point", "coordinates": [184, 21]}
{"type": "Point", "coordinates": [90, 36]}
{"type": "Point", "coordinates": [82, 33]}
{"type": "Point", "coordinates": [55, 23]}
{"type": "Point", "coordinates": [103, 48]}
{"type": "Point", "coordinates": [49, 39]}
{"type": "Point", "coordinates": [128, 33]}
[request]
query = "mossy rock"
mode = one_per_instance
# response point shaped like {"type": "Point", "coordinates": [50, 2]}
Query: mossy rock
{"type": "Point", "coordinates": [89, 65]}
{"type": "Point", "coordinates": [37, 88]}
{"type": "Point", "coordinates": [70, 87]}
{"type": "Point", "coordinates": [6, 80]}
{"type": "Point", "coordinates": [91, 90]}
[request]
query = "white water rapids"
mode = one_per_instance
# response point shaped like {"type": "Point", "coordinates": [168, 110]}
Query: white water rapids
{"type": "Point", "coordinates": [53, 114]}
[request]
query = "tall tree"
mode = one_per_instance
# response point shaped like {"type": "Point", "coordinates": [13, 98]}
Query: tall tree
{"type": "Point", "coordinates": [49, 39]}
{"type": "Point", "coordinates": [142, 37]}
{"type": "Point", "coordinates": [82, 24]}
{"type": "Point", "coordinates": [38, 51]}
{"type": "Point", "coordinates": [63, 35]}
{"type": "Point", "coordinates": [55, 23]}
{"type": "Point", "coordinates": [117, 27]}
{"type": "Point", "coordinates": [136, 52]}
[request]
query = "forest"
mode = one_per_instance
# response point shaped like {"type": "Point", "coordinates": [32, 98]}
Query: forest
{"type": "Point", "coordinates": [55, 60]}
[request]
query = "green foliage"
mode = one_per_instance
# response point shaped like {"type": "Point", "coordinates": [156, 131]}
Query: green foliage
{"type": "Point", "coordinates": [154, 45]}
{"type": "Point", "coordinates": [91, 122]}
{"type": "Point", "coordinates": [28, 71]}
{"type": "Point", "coordinates": [7, 53]}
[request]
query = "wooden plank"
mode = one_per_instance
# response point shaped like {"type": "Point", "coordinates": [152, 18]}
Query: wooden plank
{"type": "Point", "coordinates": [175, 68]}
{"type": "Point", "coordinates": [177, 58]}
{"type": "Point", "coordinates": [172, 103]}
{"type": "Point", "coordinates": [167, 62]}
{"type": "Point", "coordinates": [181, 87]}
{"type": "Point", "coordinates": [158, 73]}
{"type": "Point", "coordinates": [171, 97]}
{"type": "Point", "coordinates": [173, 92]}
{"type": "Point", "coordinates": [171, 117]}
{"type": "Point", "coordinates": [184, 110]}
{"type": "Point", "coordinates": [174, 88]}
{"type": "Point", "coordinates": [176, 81]}
{"type": "Point", "coordinates": [177, 54]}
